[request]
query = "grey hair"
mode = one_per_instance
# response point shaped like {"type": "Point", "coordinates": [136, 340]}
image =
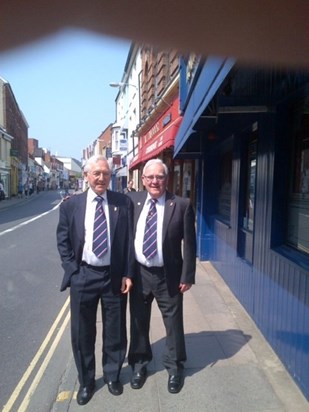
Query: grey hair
{"type": "Point", "coordinates": [156, 162]}
{"type": "Point", "coordinates": [92, 160]}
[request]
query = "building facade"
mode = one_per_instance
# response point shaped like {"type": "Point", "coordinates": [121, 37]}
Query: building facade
{"type": "Point", "coordinates": [5, 160]}
{"type": "Point", "coordinates": [15, 128]}
{"type": "Point", "coordinates": [124, 137]}
{"type": "Point", "coordinates": [160, 119]}
{"type": "Point", "coordinates": [247, 129]}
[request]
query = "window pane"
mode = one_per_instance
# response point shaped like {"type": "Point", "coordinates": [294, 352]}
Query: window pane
{"type": "Point", "coordinates": [248, 219]}
{"type": "Point", "coordinates": [187, 176]}
{"type": "Point", "coordinates": [176, 185]}
{"type": "Point", "coordinates": [298, 207]}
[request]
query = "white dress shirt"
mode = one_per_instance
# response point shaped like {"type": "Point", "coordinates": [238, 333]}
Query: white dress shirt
{"type": "Point", "coordinates": [88, 255]}
{"type": "Point", "coordinates": [156, 260]}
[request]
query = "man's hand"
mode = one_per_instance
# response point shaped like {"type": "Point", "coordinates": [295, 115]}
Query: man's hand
{"type": "Point", "coordinates": [183, 287]}
{"type": "Point", "coordinates": [126, 285]}
{"type": "Point", "coordinates": [66, 197]}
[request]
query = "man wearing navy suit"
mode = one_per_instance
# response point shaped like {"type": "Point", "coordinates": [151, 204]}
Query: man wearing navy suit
{"type": "Point", "coordinates": [164, 276]}
{"type": "Point", "coordinates": [93, 276]}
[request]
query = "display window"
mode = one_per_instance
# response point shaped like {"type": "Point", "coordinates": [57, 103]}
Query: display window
{"type": "Point", "coordinates": [298, 201]}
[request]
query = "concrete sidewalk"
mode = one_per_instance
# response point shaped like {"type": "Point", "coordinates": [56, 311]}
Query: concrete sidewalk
{"type": "Point", "coordinates": [15, 200]}
{"type": "Point", "coordinates": [6, 203]}
{"type": "Point", "coordinates": [230, 366]}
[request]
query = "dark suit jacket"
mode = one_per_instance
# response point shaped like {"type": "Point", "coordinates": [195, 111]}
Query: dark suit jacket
{"type": "Point", "coordinates": [178, 227]}
{"type": "Point", "coordinates": [71, 237]}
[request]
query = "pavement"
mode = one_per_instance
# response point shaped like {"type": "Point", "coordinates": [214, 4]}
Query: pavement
{"type": "Point", "coordinates": [6, 203]}
{"type": "Point", "coordinates": [15, 200]}
{"type": "Point", "coordinates": [230, 366]}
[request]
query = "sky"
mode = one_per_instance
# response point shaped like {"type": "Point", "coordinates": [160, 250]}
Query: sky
{"type": "Point", "coordinates": [61, 85]}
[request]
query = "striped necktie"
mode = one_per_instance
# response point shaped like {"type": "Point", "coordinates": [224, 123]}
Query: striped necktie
{"type": "Point", "coordinates": [150, 236]}
{"type": "Point", "coordinates": [99, 243]}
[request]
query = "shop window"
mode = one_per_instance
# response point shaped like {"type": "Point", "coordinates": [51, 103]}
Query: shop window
{"type": "Point", "coordinates": [247, 188]}
{"type": "Point", "coordinates": [250, 179]}
{"type": "Point", "coordinates": [177, 178]}
{"type": "Point", "coordinates": [298, 201]}
{"type": "Point", "coordinates": [187, 179]}
{"type": "Point", "coordinates": [224, 201]}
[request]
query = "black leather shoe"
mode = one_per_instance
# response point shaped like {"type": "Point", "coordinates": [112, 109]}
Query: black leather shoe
{"type": "Point", "coordinates": [175, 383]}
{"type": "Point", "coordinates": [115, 387]}
{"type": "Point", "coordinates": [84, 394]}
{"type": "Point", "coordinates": [138, 379]}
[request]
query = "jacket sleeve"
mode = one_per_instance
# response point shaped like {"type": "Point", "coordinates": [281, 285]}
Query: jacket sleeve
{"type": "Point", "coordinates": [64, 245]}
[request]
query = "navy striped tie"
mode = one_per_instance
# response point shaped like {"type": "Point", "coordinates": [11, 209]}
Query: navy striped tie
{"type": "Point", "coordinates": [99, 243]}
{"type": "Point", "coordinates": [150, 236]}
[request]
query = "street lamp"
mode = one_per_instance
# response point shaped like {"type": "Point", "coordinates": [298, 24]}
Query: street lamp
{"type": "Point", "coordinates": [121, 84]}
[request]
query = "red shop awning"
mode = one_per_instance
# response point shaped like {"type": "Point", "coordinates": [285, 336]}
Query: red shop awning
{"type": "Point", "coordinates": [135, 161]}
{"type": "Point", "coordinates": [157, 144]}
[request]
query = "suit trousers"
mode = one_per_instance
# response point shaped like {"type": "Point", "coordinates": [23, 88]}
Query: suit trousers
{"type": "Point", "coordinates": [150, 285]}
{"type": "Point", "coordinates": [88, 288]}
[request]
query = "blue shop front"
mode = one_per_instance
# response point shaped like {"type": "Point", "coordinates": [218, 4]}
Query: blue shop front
{"type": "Point", "coordinates": [248, 131]}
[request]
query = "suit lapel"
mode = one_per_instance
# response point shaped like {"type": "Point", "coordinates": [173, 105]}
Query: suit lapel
{"type": "Point", "coordinates": [168, 212]}
{"type": "Point", "coordinates": [139, 201]}
{"type": "Point", "coordinates": [138, 206]}
{"type": "Point", "coordinates": [113, 211]}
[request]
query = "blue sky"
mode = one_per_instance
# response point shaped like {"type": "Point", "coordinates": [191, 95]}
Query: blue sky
{"type": "Point", "coordinates": [61, 84]}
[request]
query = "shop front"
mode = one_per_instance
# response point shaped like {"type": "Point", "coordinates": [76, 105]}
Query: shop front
{"type": "Point", "coordinates": [158, 142]}
{"type": "Point", "coordinates": [253, 197]}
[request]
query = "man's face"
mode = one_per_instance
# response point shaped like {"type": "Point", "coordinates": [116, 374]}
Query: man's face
{"type": "Point", "coordinates": [155, 180]}
{"type": "Point", "coordinates": [98, 176]}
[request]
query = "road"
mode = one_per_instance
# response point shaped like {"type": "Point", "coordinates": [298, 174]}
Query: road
{"type": "Point", "coordinates": [33, 313]}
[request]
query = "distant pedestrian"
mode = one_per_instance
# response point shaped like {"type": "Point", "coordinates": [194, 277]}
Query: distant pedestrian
{"type": "Point", "coordinates": [2, 194]}
{"type": "Point", "coordinates": [129, 187]}
{"type": "Point", "coordinates": [26, 190]}
{"type": "Point", "coordinates": [20, 190]}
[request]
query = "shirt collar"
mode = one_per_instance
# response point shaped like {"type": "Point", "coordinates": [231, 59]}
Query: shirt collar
{"type": "Point", "coordinates": [160, 200]}
{"type": "Point", "coordinates": [92, 195]}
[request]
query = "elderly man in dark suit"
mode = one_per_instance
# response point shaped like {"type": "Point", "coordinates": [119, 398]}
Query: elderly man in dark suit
{"type": "Point", "coordinates": [95, 243]}
{"type": "Point", "coordinates": [165, 250]}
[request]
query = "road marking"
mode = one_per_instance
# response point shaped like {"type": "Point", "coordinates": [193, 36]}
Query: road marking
{"type": "Point", "coordinates": [35, 360]}
{"type": "Point", "coordinates": [38, 376]}
{"type": "Point", "coordinates": [63, 396]}
{"type": "Point", "coordinates": [29, 221]}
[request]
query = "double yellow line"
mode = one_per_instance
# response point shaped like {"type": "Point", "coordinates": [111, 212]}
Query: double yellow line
{"type": "Point", "coordinates": [25, 402]}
